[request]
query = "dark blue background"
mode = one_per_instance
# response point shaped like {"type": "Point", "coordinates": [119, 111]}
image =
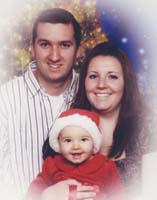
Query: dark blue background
{"type": "Point", "coordinates": [128, 32]}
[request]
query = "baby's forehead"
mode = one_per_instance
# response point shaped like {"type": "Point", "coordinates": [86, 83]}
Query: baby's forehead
{"type": "Point", "coordinates": [73, 131]}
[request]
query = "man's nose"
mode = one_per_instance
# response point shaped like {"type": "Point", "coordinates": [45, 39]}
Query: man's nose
{"type": "Point", "coordinates": [55, 53]}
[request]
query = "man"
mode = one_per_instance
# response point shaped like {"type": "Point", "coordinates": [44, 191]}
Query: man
{"type": "Point", "coordinates": [29, 104]}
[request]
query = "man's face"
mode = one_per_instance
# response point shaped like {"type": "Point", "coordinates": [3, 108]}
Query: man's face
{"type": "Point", "coordinates": [55, 51]}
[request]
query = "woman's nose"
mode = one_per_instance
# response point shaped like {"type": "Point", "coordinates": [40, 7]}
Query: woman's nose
{"type": "Point", "coordinates": [101, 83]}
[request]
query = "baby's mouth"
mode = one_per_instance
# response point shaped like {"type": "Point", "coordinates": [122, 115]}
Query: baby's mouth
{"type": "Point", "coordinates": [76, 155]}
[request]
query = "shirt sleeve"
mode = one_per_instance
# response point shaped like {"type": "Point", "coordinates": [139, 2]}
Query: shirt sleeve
{"type": "Point", "coordinates": [42, 181]}
{"type": "Point", "coordinates": [6, 178]}
{"type": "Point", "coordinates": [5, 165]}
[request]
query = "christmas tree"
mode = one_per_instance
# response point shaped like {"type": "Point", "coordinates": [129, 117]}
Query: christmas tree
{"type": "Point", "coordinates": [15, 49]}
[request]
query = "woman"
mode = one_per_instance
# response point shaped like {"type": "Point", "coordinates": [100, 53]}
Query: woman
{"type": "Point", "coordinates": [111, 90]}
{"type": "Point", "coordinates": [108, 86]}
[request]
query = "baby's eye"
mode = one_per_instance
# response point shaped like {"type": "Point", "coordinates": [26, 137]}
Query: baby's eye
{"type": "Point", "coordinates": [67, 140]}
{"type": "Point", "coordinates": [84, 139]}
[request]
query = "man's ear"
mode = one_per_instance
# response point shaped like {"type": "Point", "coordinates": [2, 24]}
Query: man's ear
{"type": "Point", "coordinates": [31, 48]}
{"type": "Point", "coordinates": [79, 51]}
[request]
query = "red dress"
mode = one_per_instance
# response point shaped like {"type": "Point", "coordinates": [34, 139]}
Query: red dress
{"type": "Point", "coordinates": [98, 171]}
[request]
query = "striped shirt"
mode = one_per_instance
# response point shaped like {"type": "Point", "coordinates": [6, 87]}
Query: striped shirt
{"type": "Point", "coordinates": [27, 114]}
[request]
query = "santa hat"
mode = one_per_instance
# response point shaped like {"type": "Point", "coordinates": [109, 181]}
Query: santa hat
{"type": "Point", "coordinates": [77, 117]}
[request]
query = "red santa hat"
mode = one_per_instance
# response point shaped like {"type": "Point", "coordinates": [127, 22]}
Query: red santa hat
{"type": "Point", "coordinates": [77, 117]}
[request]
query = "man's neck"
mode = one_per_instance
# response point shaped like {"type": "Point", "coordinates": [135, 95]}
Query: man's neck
{"type": "Point", "coordinates": [54, 88]}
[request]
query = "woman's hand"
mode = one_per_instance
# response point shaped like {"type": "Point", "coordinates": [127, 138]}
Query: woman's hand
{"type": "Point", "coordinates": [85, 192]}
{"type": "Point", "coordinates": [60, 191]}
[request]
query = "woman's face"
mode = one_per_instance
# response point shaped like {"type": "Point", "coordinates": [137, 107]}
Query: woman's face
{"type": "Point", "coordinates": [104, 84]}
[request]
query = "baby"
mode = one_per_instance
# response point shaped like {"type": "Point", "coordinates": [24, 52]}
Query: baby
{"type": "Point", "coordinates": [76, 137]}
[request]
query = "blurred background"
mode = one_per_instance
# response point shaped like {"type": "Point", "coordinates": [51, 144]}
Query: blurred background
{"type": "Point", "coordinates": [129, 24]}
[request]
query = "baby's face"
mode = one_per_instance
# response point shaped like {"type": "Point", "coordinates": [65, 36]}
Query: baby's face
{"type": "Point", "coordinates": [76, 144]}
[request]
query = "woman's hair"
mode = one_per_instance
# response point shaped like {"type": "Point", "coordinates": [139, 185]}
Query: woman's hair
{"type": "Point", "coordinates": [131, 106]}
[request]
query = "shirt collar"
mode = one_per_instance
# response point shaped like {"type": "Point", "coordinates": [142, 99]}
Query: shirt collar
{"type": "Point", "coordinates": [35, 88]}
{"type": "Point", "coordinates": [31, 81]}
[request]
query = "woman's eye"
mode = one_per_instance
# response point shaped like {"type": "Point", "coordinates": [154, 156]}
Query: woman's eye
{"type": "Point", "coordinates": [112, 76]}
{"type": "Point", "coordinates": [92, 76]}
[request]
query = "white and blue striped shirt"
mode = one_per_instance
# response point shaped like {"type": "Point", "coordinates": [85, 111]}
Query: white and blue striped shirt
{"type": "Point", "coordinates": [27, 113]}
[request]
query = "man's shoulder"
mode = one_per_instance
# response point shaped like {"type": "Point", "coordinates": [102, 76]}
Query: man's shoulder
{"type": "Point", "coordinates": [14, 81]}
{"type": "Point", "coordinates": [13, 87]}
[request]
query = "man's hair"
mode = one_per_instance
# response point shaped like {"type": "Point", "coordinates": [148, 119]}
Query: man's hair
{"type": "Point", "coordinates": [54, 16]}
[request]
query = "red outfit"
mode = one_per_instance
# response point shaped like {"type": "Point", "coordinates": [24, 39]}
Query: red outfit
{"type": "Point", "coordinates": [98, 171]}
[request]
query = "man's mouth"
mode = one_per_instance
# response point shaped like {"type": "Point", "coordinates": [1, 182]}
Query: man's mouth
{"type": "Point", "coordinates": [54, 66]}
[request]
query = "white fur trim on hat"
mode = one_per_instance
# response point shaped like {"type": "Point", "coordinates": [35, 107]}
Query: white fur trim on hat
{"type": "Point", "coordinates": [75, 120]}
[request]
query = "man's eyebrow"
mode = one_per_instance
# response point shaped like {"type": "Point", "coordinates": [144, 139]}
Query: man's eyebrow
{"type": "Point", "coordinates": [59, 42]}
{"type": "Point", "coordinates": [66, 41]}
{"type": "Point", "coordinates": [42, 40]}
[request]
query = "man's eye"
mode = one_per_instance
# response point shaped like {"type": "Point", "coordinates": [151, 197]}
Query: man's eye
{"type": "Point", "coordinates": [44, 44]}
{"type": "Point", "coordinates": [65, 45]}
